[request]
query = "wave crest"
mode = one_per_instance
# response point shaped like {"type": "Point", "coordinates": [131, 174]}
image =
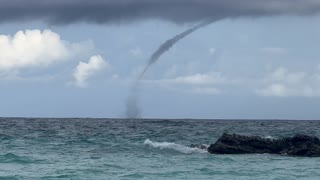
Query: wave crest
{"type": "Point", "coordinates": [173, 146]}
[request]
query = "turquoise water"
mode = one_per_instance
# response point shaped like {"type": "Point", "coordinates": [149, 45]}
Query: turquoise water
{"type": "Point", "coordinates": [143, 149]}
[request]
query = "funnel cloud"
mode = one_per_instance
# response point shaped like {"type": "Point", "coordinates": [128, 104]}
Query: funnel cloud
{"type": "Point", "coordinates": [169, 43]}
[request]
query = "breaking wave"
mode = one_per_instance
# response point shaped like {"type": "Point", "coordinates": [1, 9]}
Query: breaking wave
{"type": "Point", "coordinates": [173, 146]}
{"type": "Point", "coordinates": [270, 137]}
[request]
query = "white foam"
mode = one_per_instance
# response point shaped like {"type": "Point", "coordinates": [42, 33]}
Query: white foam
{"type": "Point", "coordinates": [270, 137]}
{"type": "Point", "coordinates": [173, 146]}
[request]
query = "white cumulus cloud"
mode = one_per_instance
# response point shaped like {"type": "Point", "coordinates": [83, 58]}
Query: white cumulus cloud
{"type": "Point", "coordinates": [200, 78]}
{"type": "Point", "coordinates": [33, 48]}
{"type": "Point", "coordinates": [212, 51]}
{"type": "Point", "coordinates": [273, 50]}
{"type": "Point", "coordinates": [85, 70]}
{"type": "Point", "coordinates": [197, 83]}
{"type": "Point", "coordinates": [136, 52]}
{"type": "Point", "coordinates": [206, 90]}
{"type": "Point", "coordinates": [283, 83]}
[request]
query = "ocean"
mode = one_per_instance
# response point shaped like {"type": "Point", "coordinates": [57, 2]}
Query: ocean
{"type": "Point", "coordinates": [48, 148]}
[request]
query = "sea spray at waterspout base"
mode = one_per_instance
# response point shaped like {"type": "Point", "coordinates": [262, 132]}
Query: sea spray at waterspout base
{"type": "Point", "coordinates": [132, 108]}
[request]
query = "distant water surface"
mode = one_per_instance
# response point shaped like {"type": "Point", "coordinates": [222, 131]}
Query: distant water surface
{"type": "Point", "coordinates": [143, 149]}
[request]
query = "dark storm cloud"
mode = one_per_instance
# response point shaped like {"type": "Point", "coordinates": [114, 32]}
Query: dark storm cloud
{"type": "Point", "coordinates": [180, 11]}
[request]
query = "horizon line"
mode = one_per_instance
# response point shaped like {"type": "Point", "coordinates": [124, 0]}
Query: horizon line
{"type": "Point", "coordinates": [176, 119]}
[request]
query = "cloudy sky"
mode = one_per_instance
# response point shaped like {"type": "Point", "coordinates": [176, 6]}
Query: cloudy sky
{"type": "Point", "coordinates": [77, 58]}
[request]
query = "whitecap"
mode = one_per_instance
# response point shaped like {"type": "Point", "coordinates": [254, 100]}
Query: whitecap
{"type": "Point", "coordinates": [173, 146]}
{"type": "Point", "coordinates": [269, 137]}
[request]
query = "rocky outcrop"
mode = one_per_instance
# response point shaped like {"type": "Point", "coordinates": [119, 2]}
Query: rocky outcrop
{"type": "Point", "coordinates": [299, 145]}
{"type": "Point", "coordinates": [199, 146]}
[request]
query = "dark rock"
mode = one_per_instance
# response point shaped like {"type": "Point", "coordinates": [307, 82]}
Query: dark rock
{"type": "Point", "coordinates": [299, 145]}
{"type": "Point", "coordinates": [199, 146]}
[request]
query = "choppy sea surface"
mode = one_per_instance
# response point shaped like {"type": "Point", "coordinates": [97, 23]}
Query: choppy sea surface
{"type": "Point", "coordinates": [37, 148]}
